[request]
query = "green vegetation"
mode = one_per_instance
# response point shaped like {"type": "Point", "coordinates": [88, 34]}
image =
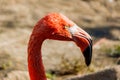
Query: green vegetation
{"type": "Point", "coordinates": [114, 51]}
{"type": "Point", "coordinates": [50, 76]}
{"type": "Point", "coordinates": [74, 66]}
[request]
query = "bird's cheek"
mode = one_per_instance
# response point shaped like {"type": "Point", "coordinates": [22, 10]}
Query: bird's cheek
{"type": "Point", "coordinates": [67, 34]}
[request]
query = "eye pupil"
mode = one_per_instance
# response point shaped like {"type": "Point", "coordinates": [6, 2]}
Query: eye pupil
{"type": "Point", "coordinates": [65, 27]}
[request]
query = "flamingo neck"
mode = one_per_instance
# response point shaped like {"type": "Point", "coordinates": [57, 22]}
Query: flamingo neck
{"type": "Point", "coordinates": [35, 64]}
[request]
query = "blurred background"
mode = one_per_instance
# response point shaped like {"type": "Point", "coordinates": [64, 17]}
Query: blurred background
{"type": "Point", "coordinates": [62, 60]}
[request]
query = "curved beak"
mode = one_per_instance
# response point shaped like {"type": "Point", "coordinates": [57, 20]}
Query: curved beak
{"type": "Point", "coordinates": [84, 41]}
{"type": "Point", "coordinates": [88, 53]}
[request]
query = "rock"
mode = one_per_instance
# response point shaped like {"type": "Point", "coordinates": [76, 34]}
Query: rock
{"type": "Point", "coordinates": [107, 74]}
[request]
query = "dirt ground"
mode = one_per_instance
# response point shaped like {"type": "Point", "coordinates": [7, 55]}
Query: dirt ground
{"type": "Point", "coordinates": [101, 19]}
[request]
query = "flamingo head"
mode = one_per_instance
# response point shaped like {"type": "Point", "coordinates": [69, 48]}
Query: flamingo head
{"type": "Point", "coordinates": [58, 27]}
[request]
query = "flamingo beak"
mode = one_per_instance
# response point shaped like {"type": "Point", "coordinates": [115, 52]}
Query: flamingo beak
{"type": "Point", "coordinates": [84, 41]}
{"type": "Point", "coordinates": [88, 53]}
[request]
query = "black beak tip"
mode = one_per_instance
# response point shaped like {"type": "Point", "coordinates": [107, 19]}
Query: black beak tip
{"type": "Point", "coordinates": [88, 55]}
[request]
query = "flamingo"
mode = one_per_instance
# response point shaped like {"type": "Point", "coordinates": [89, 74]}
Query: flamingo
{"type": "Point", "coordinates": [55, 26]}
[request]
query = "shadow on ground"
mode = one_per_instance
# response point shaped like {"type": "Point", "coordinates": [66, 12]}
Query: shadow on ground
{"type": "Point", "coordinates": [104, 31]}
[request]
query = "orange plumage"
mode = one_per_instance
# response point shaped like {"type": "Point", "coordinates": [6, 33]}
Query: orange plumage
{"type": "Point", "coordinates": [58, 27]}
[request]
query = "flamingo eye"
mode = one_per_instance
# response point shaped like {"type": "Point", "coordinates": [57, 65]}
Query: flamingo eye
{"type": "Point", "coordinates": [65, 27]}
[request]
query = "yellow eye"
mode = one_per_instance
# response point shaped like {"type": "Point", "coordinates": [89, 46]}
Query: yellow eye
{"type": "Point", "coordinates": [65, 27]}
